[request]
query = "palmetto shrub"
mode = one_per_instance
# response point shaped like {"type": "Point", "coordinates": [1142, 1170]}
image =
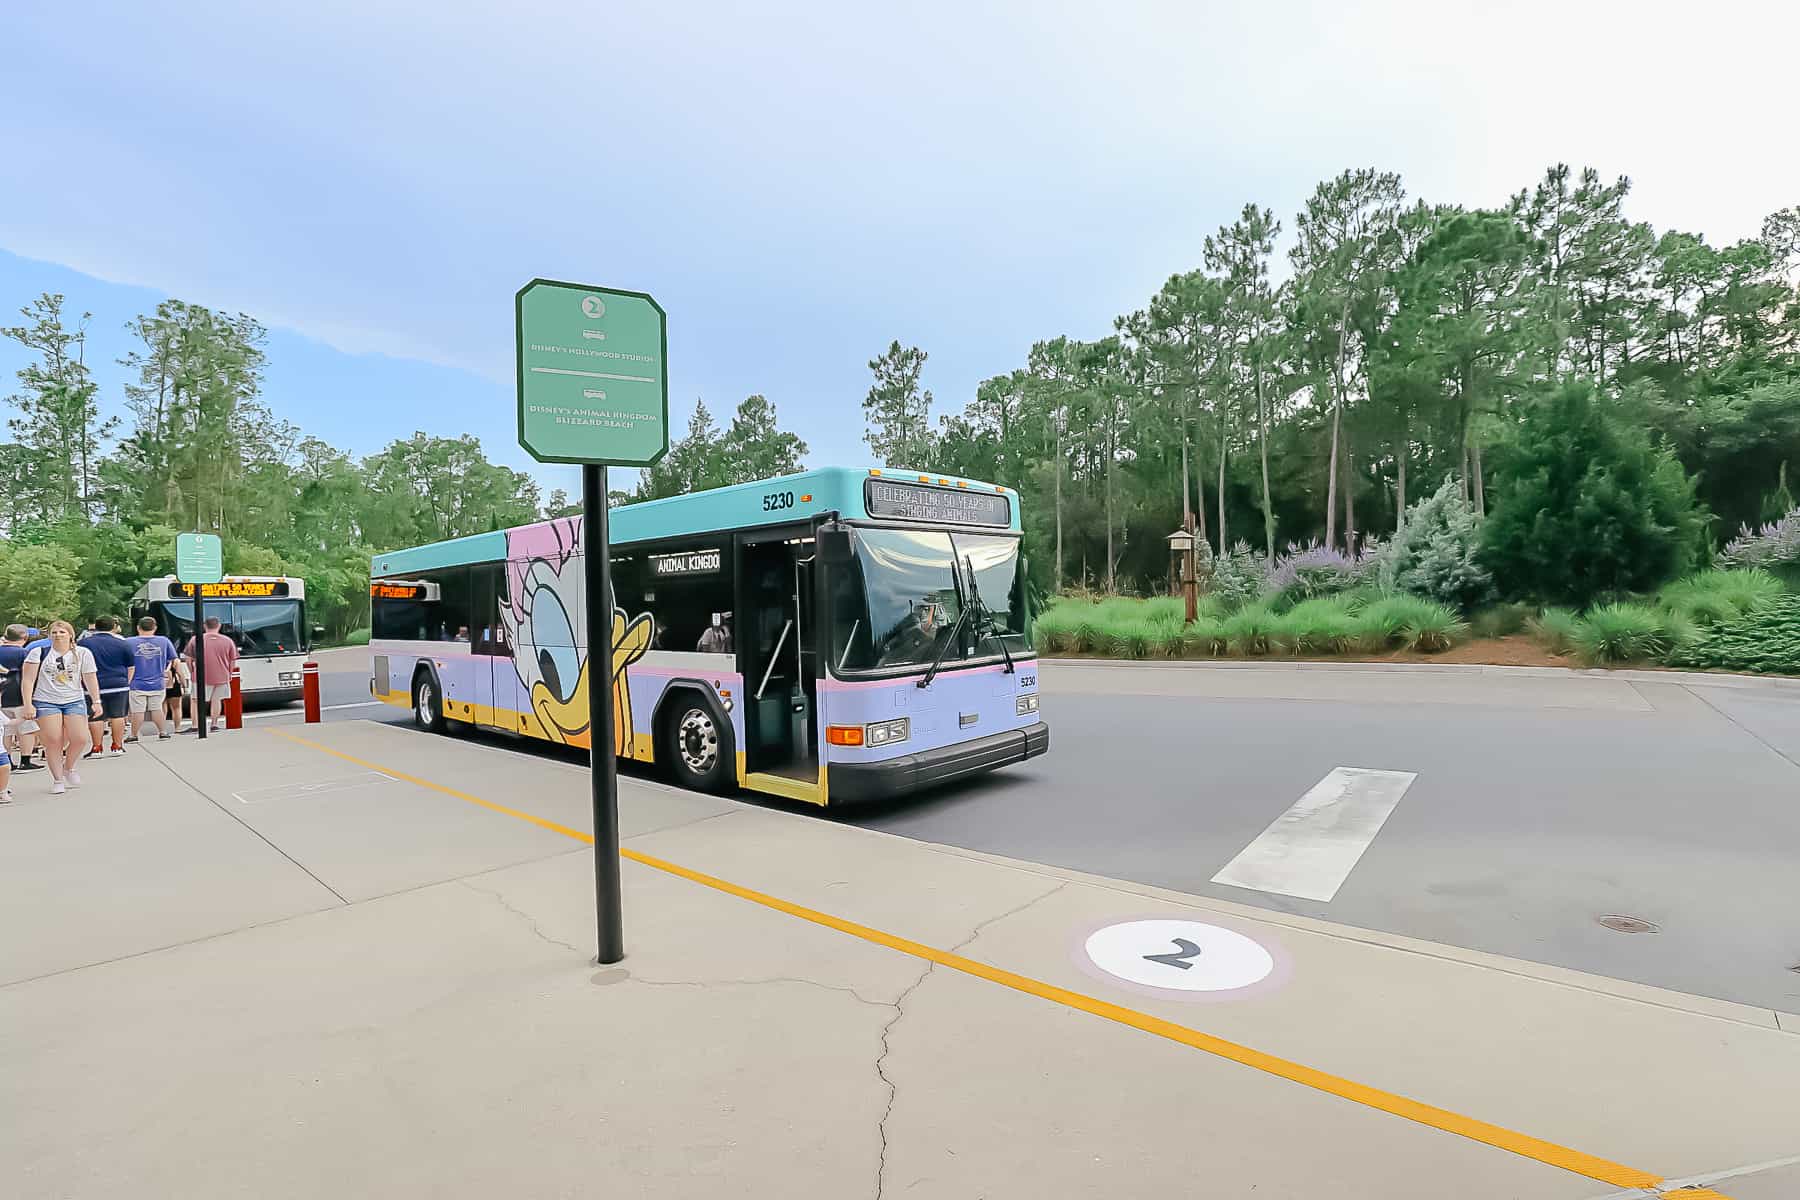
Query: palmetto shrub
{"type": "Point", "coordinates": [1620, 633]}
{"type": "Point", "coordinates": [1409, 623]}
{"type": "Point", "coordinates": [1322, 625]}
{"type": "Point", "coordinates": [1254, 631]}
{"type": "Point", "coordinates": [1712, 596]}
{"type": "Point", "coordinates": [1554, 629]}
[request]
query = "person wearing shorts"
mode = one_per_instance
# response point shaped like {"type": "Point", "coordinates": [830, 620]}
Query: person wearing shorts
{"type": "Point", "coordinates": [20, 733]}
{"type": "Point", "coordinates": [175, 683]}
{"type": "Point", "coordinates": [114, 662]}
{"type": "Point", "coordinates": [61, 692]}
{"type": "Point", "coordinates": [5, 759]}
{"type": "Point", "coordinates": [153, 656]}
{"type": "Point", "coordinates": [221, 657]}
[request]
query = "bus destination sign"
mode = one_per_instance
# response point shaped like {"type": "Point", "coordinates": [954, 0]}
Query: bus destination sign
{"type": "Point", "coordinates": [232, 589]}
{"type": "Point", "coordinates": [941, 505]}
{"type": "Point", "coordinates": [397, 591]}
{"type": "Point", "coordinates": [698, 562]}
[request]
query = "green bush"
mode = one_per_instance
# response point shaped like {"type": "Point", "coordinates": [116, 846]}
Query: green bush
{"type": "Point", "coordinates": [356, 637]}
{"type": "Point", "coordinates": [1766, 639]}
{"type": "Point", "coordinates": [1254, 631]}
{"type": "Point", "coordinates": [1623, 633]}
{"type": "Point", "coordinates": [1239, 577]}
{"type": "Point", "coordinates": [1436, 554]}
{"type": "Point", "coordinates": [1322, 625]}
{"type": "Point", "coordinates": [1555, 629]}
{"type": "Point", "coordinates": [1586, 506]}
{"type": "Point", "coordinates": [1408, 622]}
{"type": "Point", "coordinates": [1500, 620]}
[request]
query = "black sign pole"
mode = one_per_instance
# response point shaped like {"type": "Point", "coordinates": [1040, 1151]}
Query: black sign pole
{"type": "Point", "coordinates": [603, 767]}
{"type": "Point", "coordinates": [199, 697]}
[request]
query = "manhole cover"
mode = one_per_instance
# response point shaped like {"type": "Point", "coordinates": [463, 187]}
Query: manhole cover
{"type": "Point", "coordinates": [1620, 924]}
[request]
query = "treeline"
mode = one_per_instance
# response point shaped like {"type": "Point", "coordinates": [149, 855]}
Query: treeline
{"type": "Point", "coordinates": [1408, 343]}
{"type": "Point", "coordinates": [90, 503]}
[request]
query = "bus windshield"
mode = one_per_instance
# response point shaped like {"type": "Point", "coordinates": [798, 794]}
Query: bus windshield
{"type": "Point", "coordinates": [896, 604]}
{"type": "Point", "coordinates": [257, 626]}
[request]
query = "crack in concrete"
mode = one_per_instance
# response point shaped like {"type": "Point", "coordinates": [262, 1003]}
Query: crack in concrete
{"type": "Point", "coordinates": [530, 920]}
{"type": "Point", "coordinates": [705, 983]}
{"type": "Point", "coordinates": [899, 1007]}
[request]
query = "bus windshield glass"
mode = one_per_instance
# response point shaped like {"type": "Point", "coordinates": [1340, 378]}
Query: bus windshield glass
{"type": "Point", "coordinates": [896, 604]}
{"type": "Point", "coordinates": [257, 626]}
{"type": "Point", "coordinates": [993, 564]}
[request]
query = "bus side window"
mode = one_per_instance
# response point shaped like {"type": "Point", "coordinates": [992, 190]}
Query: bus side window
{"type": "Point", "coordinates": [487, 635]}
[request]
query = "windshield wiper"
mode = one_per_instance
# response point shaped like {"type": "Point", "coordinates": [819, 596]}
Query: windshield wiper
{"type": "Point", "coordinates": [984, 613]}
{"type": "Point", "coordinates": [932, 670]}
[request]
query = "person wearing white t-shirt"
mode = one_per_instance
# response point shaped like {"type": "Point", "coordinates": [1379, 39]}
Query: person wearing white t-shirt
{"type": "Point", "coordinates": [56, 676]}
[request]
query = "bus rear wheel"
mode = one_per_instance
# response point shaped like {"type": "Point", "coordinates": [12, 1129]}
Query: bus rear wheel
{"type": "Point", "coordinates": [697, 744]}
{"type": "Point", "coordinates": [428, 711]}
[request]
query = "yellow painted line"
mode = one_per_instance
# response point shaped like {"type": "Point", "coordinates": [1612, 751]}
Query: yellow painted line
{"type": "Point", "coordinates": [1498, 1136]}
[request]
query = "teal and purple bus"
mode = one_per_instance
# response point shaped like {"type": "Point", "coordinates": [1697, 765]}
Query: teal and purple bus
{"type": "Point", "coordinates": [830, 636]}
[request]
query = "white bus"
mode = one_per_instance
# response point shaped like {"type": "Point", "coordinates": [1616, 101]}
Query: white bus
{"type": "Point", "coordinates": [264, 614]}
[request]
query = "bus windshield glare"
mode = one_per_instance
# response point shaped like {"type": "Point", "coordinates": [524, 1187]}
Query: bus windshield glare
{"type": "Point", "coordinates": [896, 605]}
{"type": "Point", "coordinates": [258, 626]}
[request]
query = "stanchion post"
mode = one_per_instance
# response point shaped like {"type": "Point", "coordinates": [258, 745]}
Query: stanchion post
{"type": "Point", "coordinates": [234, 704]}
{"type": "Point", "coordinates": [309, 691]}
{"type": "Point", "coordinates": [603, 778]}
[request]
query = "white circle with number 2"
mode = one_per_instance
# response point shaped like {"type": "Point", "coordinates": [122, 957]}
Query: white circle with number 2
{"type": "Point", "coordinates": [1183, 956]}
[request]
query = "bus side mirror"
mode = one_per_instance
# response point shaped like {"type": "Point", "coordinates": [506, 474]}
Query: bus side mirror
{"type": "Point", "coordinates": [833, 547]}
{"type": "Point", "coordinates": [318, 631]}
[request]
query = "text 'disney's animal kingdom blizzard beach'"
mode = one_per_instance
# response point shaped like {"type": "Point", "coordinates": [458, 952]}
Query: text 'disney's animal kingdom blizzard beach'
{"type": "Point", "coordinates": [375, 979]}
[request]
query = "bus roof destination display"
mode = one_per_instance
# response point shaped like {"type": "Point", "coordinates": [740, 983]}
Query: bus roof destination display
{"type": "Point", "coordinates": [233, 589]}
{"type": "Point", "coordinates": [698, 562]}
{"type": "Point", "coordinates": [940, 505]}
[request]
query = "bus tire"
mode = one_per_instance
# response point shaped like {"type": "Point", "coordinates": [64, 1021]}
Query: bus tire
{"type": "Point", "coordinates": [697, 743]}
{"type": "Point", "coordinates": [428, 704]}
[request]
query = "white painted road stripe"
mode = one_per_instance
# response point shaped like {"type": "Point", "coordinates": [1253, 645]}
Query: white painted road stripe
{"type": "Point", "coordinates": [1311, 848]}
{"type": "Point", "coordinates": [295, 712]}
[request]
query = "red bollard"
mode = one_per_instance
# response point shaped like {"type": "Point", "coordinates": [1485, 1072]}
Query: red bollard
{"type": "Point", "coordinates": [309, 691]}
{"type": "Point", "coordinates": [234, 704]}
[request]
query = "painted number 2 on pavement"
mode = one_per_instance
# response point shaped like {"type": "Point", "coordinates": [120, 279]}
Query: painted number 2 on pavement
{"type": "Point", "coordinates": [1179, 955]}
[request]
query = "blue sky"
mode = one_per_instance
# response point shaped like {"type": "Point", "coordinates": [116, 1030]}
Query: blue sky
{"type": "Point", "coordinates": [797, 184]}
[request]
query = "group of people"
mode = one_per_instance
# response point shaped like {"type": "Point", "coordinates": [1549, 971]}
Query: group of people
{"type": "Point", "coordinates": [52, 684]}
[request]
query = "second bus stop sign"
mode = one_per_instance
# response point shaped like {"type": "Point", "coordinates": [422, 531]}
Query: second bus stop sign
{"type": "Point", "coordinates": [592, 381]}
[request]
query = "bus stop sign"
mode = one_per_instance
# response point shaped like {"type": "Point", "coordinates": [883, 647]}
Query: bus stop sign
{"type": "Point", "coordinates": [593, 388]}
{"type": "Point", "coordinates": [198, 558]}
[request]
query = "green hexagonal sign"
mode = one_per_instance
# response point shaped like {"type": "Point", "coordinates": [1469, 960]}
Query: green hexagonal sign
{"type": "Point", "coordinates": [593, 384]}
{"type": "Point", "coordinates": [199, 558]}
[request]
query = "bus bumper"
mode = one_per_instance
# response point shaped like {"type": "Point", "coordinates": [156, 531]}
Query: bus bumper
{"type": "Point", "coordinates": [852, 783]}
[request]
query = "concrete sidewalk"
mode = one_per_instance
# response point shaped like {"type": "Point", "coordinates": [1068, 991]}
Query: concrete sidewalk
{"type": "Point", "coordinates": [356, 961]}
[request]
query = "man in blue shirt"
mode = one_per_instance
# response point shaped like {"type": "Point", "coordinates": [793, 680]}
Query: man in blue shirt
{"type": "Point", "coordinates": [114, 664]}
{"type": "Point", "coordinates": [153, 657]}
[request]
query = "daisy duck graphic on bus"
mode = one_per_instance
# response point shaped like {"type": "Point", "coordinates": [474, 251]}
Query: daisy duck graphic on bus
{"type": "Point", "coordinates": [540, 610]}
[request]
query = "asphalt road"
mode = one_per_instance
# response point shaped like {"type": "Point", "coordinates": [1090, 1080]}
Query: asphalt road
{"type": "Point", "coordinates": [1540, 805]}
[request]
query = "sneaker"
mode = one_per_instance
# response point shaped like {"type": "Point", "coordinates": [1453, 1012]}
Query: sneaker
{"type": "Point", "coordinates": [73, 778]}
{"type": "Point", "coordinates": [57, 788]}
{"type": "Point", "coordinates": [218, 727]}
{"type": "Point", "coordinates": [116, 752]}
{"type": "Point", "coordinates": [130, 738]}
{"type": "Point", "coordinates": [163, 737]}
{"type": "Point", "coordinates": [6, 796]}
{"type": "Point", "coordinates": [30, 764]}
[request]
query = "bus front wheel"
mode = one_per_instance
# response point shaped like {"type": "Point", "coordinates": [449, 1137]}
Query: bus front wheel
{"type": "Point", "coordinates": [698, 745]}
{"type": "Point", "coordinates": [428, 712]}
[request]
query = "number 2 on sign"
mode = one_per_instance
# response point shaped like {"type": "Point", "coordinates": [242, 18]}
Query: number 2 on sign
{"type": "Point", "coordinates": [1182, 959]}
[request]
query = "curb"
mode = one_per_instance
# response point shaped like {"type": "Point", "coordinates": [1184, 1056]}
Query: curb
{"type": "Point", "coordinates": [1683, 678]}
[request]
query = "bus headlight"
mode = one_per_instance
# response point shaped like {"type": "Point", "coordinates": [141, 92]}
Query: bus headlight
{"type": "Point", "coordinates": [1026, 705]}
{"type": "Point", "coordinates": [886, 733]}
